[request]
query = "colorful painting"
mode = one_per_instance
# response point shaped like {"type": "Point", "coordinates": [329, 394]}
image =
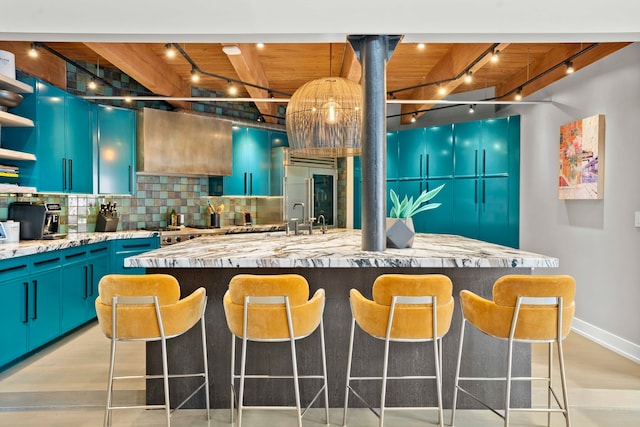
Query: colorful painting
{"type": "Point", "coordinates": [582, 159]}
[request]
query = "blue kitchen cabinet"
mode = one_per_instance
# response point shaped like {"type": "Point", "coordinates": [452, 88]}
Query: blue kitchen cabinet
{"type": "Point", "coordinates": [78, 147]}
{"type": "Point", "coordinates": [61, 139]}
{"type": "Point", "coordinates": [482, 148]}
{"type": "Point", "coordinates": [482, 210]}
{"type": "Point", "coordinates": [14, 306]}
{"type": "Point", "coordinates": [125, 248]}
{"type": "Point", "coordinates": [411, 148]}
{"type": "Point", "coordinates": [45, 295]}
{"type": "Point", "coordinates": [82, 269]}
{"type": "Point", "coordinates": [251, 156]}
{"type": "Point", "coordinates": [116, 137]}
{"type": "Point", "coordinates": [74, 287]}
{"type": "Point", "coordinates": [392, 155]}
{"type": "Point", "coordinates": [438, 156]}
{"type": "Point", "coordinates": [487, 166]}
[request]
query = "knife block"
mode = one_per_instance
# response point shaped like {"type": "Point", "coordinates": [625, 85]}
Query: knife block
{"type": "Point", "coordinates": [106, 223]}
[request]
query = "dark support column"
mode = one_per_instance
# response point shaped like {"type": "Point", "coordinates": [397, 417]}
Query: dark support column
{"type": "Point", "coordinates": [373, 52]}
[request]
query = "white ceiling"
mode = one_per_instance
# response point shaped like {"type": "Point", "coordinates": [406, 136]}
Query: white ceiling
{"type": "Point", "coordinates": [320, 21]}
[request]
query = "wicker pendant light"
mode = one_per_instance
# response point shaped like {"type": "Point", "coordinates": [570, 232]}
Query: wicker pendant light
{"type": "Point", "coordinates": [324, 118]}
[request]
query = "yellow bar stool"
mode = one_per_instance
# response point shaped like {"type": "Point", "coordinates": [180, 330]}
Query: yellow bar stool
{"type": "Point", "coordinates": [405, 308]}
{"type": "Point", "coordinates": [149, 308]}
{"type": "Point", "coordinates": [526, 309]}
{"type": "Point", "coordinates": [273, 308]}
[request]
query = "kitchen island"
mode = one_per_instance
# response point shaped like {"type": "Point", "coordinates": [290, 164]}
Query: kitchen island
{"type": "Point", "coordinates": [335, 262]}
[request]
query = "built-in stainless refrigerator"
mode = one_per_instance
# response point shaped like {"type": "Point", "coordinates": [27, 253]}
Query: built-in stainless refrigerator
{"type": "Point", "coordinates": [312, 190]}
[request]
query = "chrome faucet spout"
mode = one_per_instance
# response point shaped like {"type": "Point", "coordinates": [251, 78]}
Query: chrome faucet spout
{"type": "Point", "coordinates": [323, 223]}
{"type": "Point", "coordinates": [295, 205]}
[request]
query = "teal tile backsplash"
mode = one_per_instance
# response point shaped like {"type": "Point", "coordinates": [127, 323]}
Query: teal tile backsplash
{"type": "Point", "coordinates": [155, 198]}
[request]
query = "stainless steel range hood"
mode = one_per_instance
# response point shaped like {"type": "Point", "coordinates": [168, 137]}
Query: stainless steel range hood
{"type": "Point", "coordinates": [172, 143]}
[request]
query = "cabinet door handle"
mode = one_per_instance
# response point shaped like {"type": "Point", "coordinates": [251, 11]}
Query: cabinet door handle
{"type": "Point", "coordinates": [35, 300]}
{"type": "Point", "coordinates": [251, 184]}
{"type": "Point", "coordinates": [420, 165]}
{"type": "Point", "coordinates": [130, 177]}
{"type": "Point", "coordinates": [476, 163]}
{"type": "Point", "coordinates": [484, 162]}
{"type": "Point", "coordinates": [26, 302]}
{"type": "Point", "coordinates": [70, 174]}
{"type": "Point", "coordinates": [86, 282]}
{"type": "Point", "coordinates": [475, 192]}
{"type": "Point", "coordinates": [64, 173]}
{"type": "Point", "coordinates": [245, 183]}
{"type": "Point", "coordinates": [484, 192]}
{"type": "Point", "coordinates": [427, 165]}
{"type": "Point", "coordinates": [91, 287]}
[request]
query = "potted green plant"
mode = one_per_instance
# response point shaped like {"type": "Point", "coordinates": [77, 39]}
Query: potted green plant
{"type": "Point", "coordinates": [400, 230]}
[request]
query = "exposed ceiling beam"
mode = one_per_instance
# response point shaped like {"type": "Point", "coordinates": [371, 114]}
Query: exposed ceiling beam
{"type": "Point", "coordinates": [452, 63]}
{"type": "Point", "coordinates": [351, 68]}
{"type": "Point", "coordinates": [554, 57]}
{"type": "Point", "coordinates": [249, 69]}
{"type": "Point", "coordinates": [144, 66]}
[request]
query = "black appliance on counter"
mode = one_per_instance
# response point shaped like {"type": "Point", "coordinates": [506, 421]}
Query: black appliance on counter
{"type": "Point", "coordinates": [38, 221]}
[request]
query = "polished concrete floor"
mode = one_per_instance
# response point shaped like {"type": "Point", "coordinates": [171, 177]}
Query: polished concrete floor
{"type": "Point", "coordinates": [64, 385]}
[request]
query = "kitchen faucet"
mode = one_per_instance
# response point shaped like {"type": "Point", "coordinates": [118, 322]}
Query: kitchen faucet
{"type": "Point", "coordinates": [323, 223]}
{"type": "Point", "coordinates": [295, 220]}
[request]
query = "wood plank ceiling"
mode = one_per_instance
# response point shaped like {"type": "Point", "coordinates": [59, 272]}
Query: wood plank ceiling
{"type": "Point", "coordinates": [413, 72]}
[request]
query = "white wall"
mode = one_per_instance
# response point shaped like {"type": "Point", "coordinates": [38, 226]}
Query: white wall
{"type": "Point", "coordinates": [595, 240]}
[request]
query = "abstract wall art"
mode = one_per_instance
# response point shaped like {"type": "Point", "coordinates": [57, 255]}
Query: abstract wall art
{"type": "Point", "coordinates": [582, 159]}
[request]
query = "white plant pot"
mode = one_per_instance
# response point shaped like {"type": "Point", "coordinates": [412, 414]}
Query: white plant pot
{"type": "Point", "coordinates": [400, 233]}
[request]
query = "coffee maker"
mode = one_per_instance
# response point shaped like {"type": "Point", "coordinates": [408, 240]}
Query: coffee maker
{"type": "Point", "coordinates": [37, 220]}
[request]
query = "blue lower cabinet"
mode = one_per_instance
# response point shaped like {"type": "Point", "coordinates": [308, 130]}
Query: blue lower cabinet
{"type": "Point", "coordinates": [130, 247]}
{"type": "Point", "coordinates": [74, 287]}
{"type": "Point", "coordinates": [14, 318]}
{"type": "Point", "coordinates": [44, 299]}
{"type": "Point", "coordinates": [98, 266]}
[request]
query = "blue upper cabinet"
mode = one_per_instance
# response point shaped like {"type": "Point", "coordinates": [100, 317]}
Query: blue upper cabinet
{"type": "Point", "coordinates": [411, 153]}
{"type": "Point", "coordinates": [251, 163]}
{"type": "Point", "coordinates": [466, 147]}
{"type": "Point", "coordinates": [116, 150]}
{"type": "Point", "coordinates": [484, 148]}
{"type": "Point", "coordinates": [439, 152]}
{"type": "Point", "coordinates": [79, 145]}
{"type": "Point", "coordinates": [62, 140]}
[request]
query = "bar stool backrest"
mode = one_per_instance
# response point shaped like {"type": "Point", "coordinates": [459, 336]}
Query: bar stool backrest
{"type": "Point", "coordinates": [140, 321]}
{"type": "Point", "coordinates": [537, 322]}
{"type": "Point", "coordinates": [410, 321]}
{"type": "Point", "coordinates": [269, 321]}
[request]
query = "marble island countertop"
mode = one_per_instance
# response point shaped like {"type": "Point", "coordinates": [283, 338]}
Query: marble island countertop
{"type": "Point", "coordinates": [31, 247]}
{"type": "Point", "coordinates": [339, 248]}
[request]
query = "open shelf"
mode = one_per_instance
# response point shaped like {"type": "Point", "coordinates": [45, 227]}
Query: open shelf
{"type": "Point", "coordinates": [14, 85]}
{"type": "Point", "coordinates": [9, 120]}
{"type": "Point", "coordinates": [16, 155]}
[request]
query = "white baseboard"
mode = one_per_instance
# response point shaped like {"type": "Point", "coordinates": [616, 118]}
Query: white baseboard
{"type": "Point", "coordinates": [606, 339]}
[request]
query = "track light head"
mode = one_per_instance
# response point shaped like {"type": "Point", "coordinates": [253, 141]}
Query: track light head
{"type": "Point", "coordinates": [570, 68]}
{"type": "Point", "coordinates": [195, 77]}
{"type": "Point", "coordinates": [494, 56]}
{"type": "Point", "coordinates": [518, 96]}
{"type": "Point", "coordinates": [471, 109]}
{"type": "Point", "coordinates": [170, 51]}
{"type": "Point", "coordinates": [413, 118]}
{"type": "Point", "coordinates": [33, 51]}
{"type": "Point", "coordinates": [468, 77]}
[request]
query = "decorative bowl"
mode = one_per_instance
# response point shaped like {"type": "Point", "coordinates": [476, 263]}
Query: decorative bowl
{"type": "Point", "coordinates": [9, 99]}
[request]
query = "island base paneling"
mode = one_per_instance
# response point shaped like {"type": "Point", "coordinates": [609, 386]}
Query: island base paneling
{"type": "Point", "coordinates": [488, 358]}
